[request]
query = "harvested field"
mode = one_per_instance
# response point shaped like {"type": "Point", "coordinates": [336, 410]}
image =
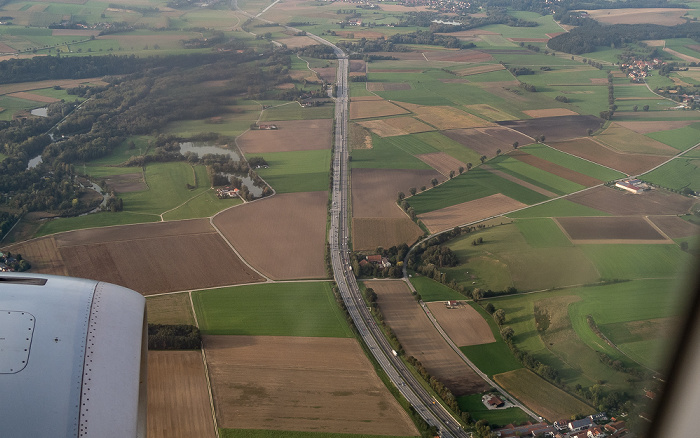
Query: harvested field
{"type": "Point", "coordinates": [368, 34]}
{"type": "Point", "coordinates": [33, 97]}
{"type": "Point", "coordinates": [490, 112]}
{"type": "Point", "coordinates": [65, 83]}
{"type": "Point", "coordinates": [4, 48]}
{"type": "Point", "coordinates": [488, 68]}
{"type": "Point", "coordinates": [622, 139]}
{"type": "Point", "coordinates": [648, 127]}
{"type": "Point", "coordinates": [323, 385]}
{"type": "Point", "coordinates": [388, 86]}
{"type": "Point", "coordinates": [551, 112]}
{"type": "Point", "coordinates": [363, 109]}
{"type": "Point", "coordinates": [374, 190]}
{"type": "Point", "coordinates": [675, 227]}
{"type": "Point", "coordinates": [295, 222]}
{"type": "Point", "coordinates": [520, 182]}
{"type": "Point", "coordinates": [463, 324]}
{"type": "Point", "coordinates": [486, 141]}
{"type": "Point", "coordinates": [396, 126]}
{"type": "Point", "coordinates": [148, 257]}
{"type": "Point", "coordinates": [178, 398]}
{"type": "Point", "coordinates": [446, 117]}
{"type": "Point", "coordinates": [328, 74]}
{"type": "Point", "coordinates": [298, 41]}
{"type": "Point", "coordinates": [43, 254]}
{"type": "Point", "coordinates": [369, 233]}
{"type": "Point", "coordinates": [360, 138]}
{"type": "Point", "coordinates": [169, 309]}
{"type": "Point", "coordinates": [457, 56]}
{"type": "Point", "coordinates": [589, 149]}
{"type": "Point", "coordinates": [556, 128]}
{"type": "Point", "coordinates": [126, 183]}
{"type": "Point", "coordinates": [662, 16]}
{"type": "Point", "coordinates": [620, 202]}
{"type": "Point", "coordinates": [292, 135]}
{"type": "Point", "coordinates": [442, 162]}
{"type": "Point", "coordinates": [556, 169]}
{"type": "Point", "coordinates": [616, 229]}
{"type": "Point", "coordinates": [469, 212]}
{"type": "Point", "coordinates": [421, 340]}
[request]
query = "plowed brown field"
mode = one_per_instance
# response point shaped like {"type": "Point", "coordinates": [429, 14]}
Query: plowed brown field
{"type": "Point", "coordinates": [369, 233]}
{"type": "Point", "coordinates": [292, 135]}
{"type": "Point", "coordinates": [647, 127]}
{"type": "Point", "coordinates": [675, 227]}
{"type": "Point", "coordinates": [620, 202]}
{"type": "Point", "coordinates": [464, 325]}
{"type": "Point", "coordinates": [154, 258]}
{"type": "Point", "coordinates": [442, 162]}
{"type": "Point", "coordinates": [551, 112]}
{"type": "Point", "coordinates": [421, 340]}
{"type": "Point", "coordinates": [631, 164]}
{"type": "Point", "coordinates": [486, 141]}
{"type": "Point", "coordinates": [556, 169]}
{"type": "Point", "coordinates": [556, 128]}
{"type": "Point", "coordinates": [323, 385]}
{"type": "Point", "coordinates": [364, 109]}
{"type": "Point", "coordinates": [374, 191]}
{"type": "Point", "coordinates": [294, 225]}
{"type": "Point", "coordinates": [614, 229]}
{"type": "Point", "coordinates": [178, 398]}
{"type": "Point", "coordinates": [468, 212]}
{"type": "Point", "coordinates": [43, 254]}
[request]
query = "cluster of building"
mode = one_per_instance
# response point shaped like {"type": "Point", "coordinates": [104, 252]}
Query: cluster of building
{"type": "Point", "coordinates": [376, 260]}
{"type": "Point", "coordinates": [638, 70]}
{"type": "Point", "coordinates": [589, 427]}
{"type": "Point", "coordinates": [227, 192]}
{"type": "Point", "coordinates": [632, 185]}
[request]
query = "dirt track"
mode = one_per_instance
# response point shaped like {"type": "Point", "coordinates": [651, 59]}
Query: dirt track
{"type": "Point", "coordinates": [323, 385]}
{"type": "Point", "coordinates": [421, 340]}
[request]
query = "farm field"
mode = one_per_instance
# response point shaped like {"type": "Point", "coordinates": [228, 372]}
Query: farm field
{"type": "Point", "coordinates": [277, 309]}
{"type": "Point", "coordinates": [495, 417]}
{"type": "Point", "coordinates": [363, 109]}
{"type": "Point", "coordinates": [571, 162]}
{"type": "Point", "coordinates": [169, 309]}
{"type": "Point", "coordinates": [486, 141]}
{"type": "Point", "coordinates": [292, 135]}
{"type": "Point", "coordinates": [557, 208]}
{"type": "Point", "coordinates": [617, 229]}
{"type": "Point", "coordinates": [555, 169]}
{"type": "Point", "coordinates": [663, 16]}
{"type": "Point", "coordinates": [178, 397]}
{"type": "Point", "coordinates": [677, 174]}
{"type": "Point", "coordinates": [297, 171]}
{"type": "Point", "coordinates": [555, 128]}
{"type": "Point", "coordinates": [396, 126]}
{"type": "Point", "coordinates": [626, 140]}
{"type": "Point", "coordinates": [430, 290]}
{"type": "Point", "coordinates": [638, 260]}
{"type": "Point", "coordinates": [622, 203]}
{"type": "Point", "coordinates": [370, 233]}
{"type": "Point", "coordinates": [532, 177]}
{"type": "Point", "coordinates": [675, 227]}
{"type": "Point", "coordinates": [682, 138]}
{"type": "Point", "coordinates": [148, 257]}
{"type": "Point", "coordinates": [387, 153]}
{"type": "Point", "coordinates": [589, 149]}
{"type": "Point", "coordinates": [292, 111]}
{"type": "Point", "coordinates": [324, 385]}
{"type": "Point", "coordinates": [445, 144]}
{"type": "Point", "coordinates": [443, 163]}
{"type": "Point", "coordinates": [463, 324]}
{"type": "Point", "coordinates": [541, 396]}
{"type": "Point", "coordinates": [468, 212]}
{"type": "Point", "coordinates": [421, 340]}
{"type": "Point", "coordinates": [299, 234]}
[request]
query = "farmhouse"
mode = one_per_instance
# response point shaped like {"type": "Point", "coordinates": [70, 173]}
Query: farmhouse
{"type": "Point", "coordinates": [379, 260]}
{"type": "Point", "coordinates": [267, 127]}
{"type": "Point", "coordinates": [226, 192]}
{"type": "Point", "coordinates": [631, 185]}
{"type": "Point", "coordinates": [493, 401]}
{"type": "Point", "coordinates": [451, 304]}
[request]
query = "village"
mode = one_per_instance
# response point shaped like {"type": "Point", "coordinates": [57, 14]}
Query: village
{"type": "Point", "coordinates": [593, 426]}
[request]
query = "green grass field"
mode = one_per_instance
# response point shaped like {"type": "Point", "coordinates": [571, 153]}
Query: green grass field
{"type": "Point", "coordinates": [572, 162]}
{"type": "Point", "coordinates": [681, 138]}
{"type": "Point", "coordinates": [279, 309]}
{"type": "Point", "coordinates": [631, 261]}
{"type": "Point", "coordinates": [677, 174]}
{"type": "Point", "coordinates": [475, 184]}
{"type": "Point", "coordinates": [557, 208]}
{"type": "Point", "coordinates": [385, 154]}
{"type": "Point", "coordinates": [298, 171]}
{"type": "Point", "coordinates": [95, 220]}
{"type": "Point", "coordinates": [205, 204]}
{"type": "Point", "coordinates": [431, 290]}
{"type": "Point", "coordinates": [254, 433]}
{"type": "Point", "coordinates": [533, 175]}
{"type": "Point", "coordinates": [495, 417]}
{"type": "Point", "coordinates": [448, 146]}
{"type": "Point", "coordinates": [542, 233]}
{"type": "Point", "coordinates": [293, 111]}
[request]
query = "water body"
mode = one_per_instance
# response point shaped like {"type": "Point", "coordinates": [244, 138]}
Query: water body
{"type": "Point", "coordinates": [34, 162]}
{"type": "Point", "coordinates": [254, 190]}
{"type": "Point", "coordinates": [202, 149]}
{"type": "Point", "coordinates": [105, 197]}
{"type": "Point", "coordinates": [41, 112]}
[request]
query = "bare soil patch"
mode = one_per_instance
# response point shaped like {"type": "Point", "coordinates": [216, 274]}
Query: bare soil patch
{"type": "Point", "coordinates": [520, 182]}
{"type": "Point", "coordinates": [291, 135]}
{"type": "Point", "coordinates": [447, 117]}
{"type": "Point", "coordinates": [297, 41]}
{"type": "Point", "coordinates": [328, 74]}
{"type": "Point", "coordinates": [589, 149]}
{"type": "Point", "coordinates": [662, 16]}
{"type": "Point", "coordinates": [556, 169]}
{"type": "Point", "coordinates": [388, 86]}
{"type": "Point", "coordinates": [357, 66]}
{"type": "Point", "coordinates": [295, 222]}
{"type": "Point", "coordinates": [155, 257]}
{"type": "Point", "coordinates": [363, 109]}
{"type": "Point", "coordinates": [4, 48]}
{"type": "Point", "coordinates": [620, 202]}
{"type": "Point", "coordinates": [457, 56]}
{"type": "Point", "coordinates": [464, 325]}
{"type": "Point", "coordinates": [34, 97]}
{"type": "Point", "coordinates": [486, 141]}
{"type": "Point", "coordinates": [369, 233]}
{"type": "Point", "coordinates": [651, 126]}
{"type": "Point", "coordinates": [488, 68]}
{"type": "Point", "coordinates": [675, 227]}
{"type": "Point", "coordinates": [396, 126]}
{"type": "Point", "coordinates": [324, 385]}
{"type": "Point", "coordinates": [442, 162]}
{"type": "Point", "coordinates": [128, 182]}
{"type": "Point", "coordinates": [617, 228]}
{"type": "Point", "coordinates": [43, 254]}
{"type": "Point", "coordinates": [178, 398]}
{"type": "Point", "coordinates": [421, 340]}
{"type": "Point", "coordinates": [469, 212]}
{"type": "Point", "coordinates": [374, 191]}
{"type": "Point", "coordinates": [556, 128]}
{"type": "Point", "coordinates": [551, 112]}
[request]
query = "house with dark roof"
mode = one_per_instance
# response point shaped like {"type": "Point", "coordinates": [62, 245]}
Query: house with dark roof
{"type": "Point", "coordinates": [579, 425]}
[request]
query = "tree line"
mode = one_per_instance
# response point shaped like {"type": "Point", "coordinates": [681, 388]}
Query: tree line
{"type": "Point", "coordinates": [173, 337]}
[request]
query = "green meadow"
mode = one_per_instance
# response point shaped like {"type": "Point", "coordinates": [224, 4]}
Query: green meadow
{"type": "Point", "coordinates": [572, 162]}
{"type": "Point", "coordinates": [297, 171]}
{"type": "Point", "coordinates": [534, 175]}
{"type": "Point", "coordinates": [386, 154]}
{"type": "Point", "coordinates": [681, 138]}
{"type": "Point", "coordinates": [677, 174]}
{"type": "Point", "coordinates": [557, 208]}
{"type": "Point", "coordinates": [495, 417]}
{"type": "Point", "coordinates": [431, 290]}
{"type": "Point", "coordinates": [278, 309]}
